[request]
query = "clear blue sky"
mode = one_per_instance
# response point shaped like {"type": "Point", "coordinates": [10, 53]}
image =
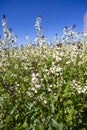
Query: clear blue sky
{"type": "Point", "coordinates": [21, 16]}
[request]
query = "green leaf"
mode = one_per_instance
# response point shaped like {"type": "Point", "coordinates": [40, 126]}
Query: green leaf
{"type": "Point", "coordinates": [61, 126]}
{"type": "Point", "coordinates": [16, 117]}
{"type": "Point", "coordinates": [50, 128]}
{"type": "Point", "coordinates": [25, 125]}
{"type": "Point", "coordinates": [39, 127]}
{"type": "Point", "coordinates": [55, 123]}
{"type": "Point", "coordinates": [52, 107]}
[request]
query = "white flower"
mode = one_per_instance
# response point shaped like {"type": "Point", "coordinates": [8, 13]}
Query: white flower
{"type": "Point", "coordinates": [16, 66]}
{"type": "Point", "coordinates": [58, 69]}
{"type": "Point", "coordinates": [58, 58]}
{"type": "Point", "coordinates": [45, 101]}
{"type": "Point", "coordinates": [37, 86]}
{"type": "Point", "coordinates": [49, 90]}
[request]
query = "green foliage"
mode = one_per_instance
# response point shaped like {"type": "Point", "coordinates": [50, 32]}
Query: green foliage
{"type": "Point", "coordinates": [43, 88]}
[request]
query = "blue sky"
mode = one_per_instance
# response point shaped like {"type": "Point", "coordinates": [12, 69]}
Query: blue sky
{"type": "Point", "coordinates": [21, 16]}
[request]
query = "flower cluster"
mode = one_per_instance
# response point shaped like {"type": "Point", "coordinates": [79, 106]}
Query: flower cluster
{"type": "Point", "coordinates": [42, 86]}
{"type": "Point", "coordinates": [9, 39]}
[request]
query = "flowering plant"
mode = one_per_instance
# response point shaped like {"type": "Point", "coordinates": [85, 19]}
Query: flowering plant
{"type": "Point", "coordinates": [43, 87]}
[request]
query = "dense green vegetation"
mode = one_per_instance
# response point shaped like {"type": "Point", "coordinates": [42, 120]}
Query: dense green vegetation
{"type": "Point", "coordinates": [43, 88]}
